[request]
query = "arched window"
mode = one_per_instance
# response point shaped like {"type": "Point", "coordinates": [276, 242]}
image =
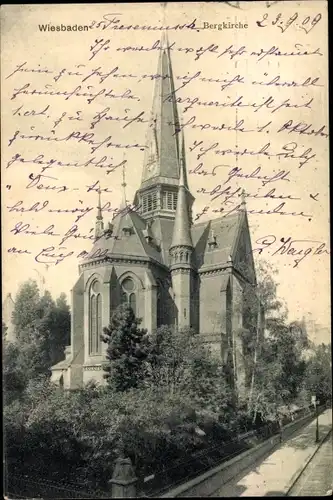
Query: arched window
{"type": "Point", "coordinates": [160, 310]}
{"type": "Point", "coordinates": [99, 322]}
{"type": "Point", "coordinates": [128, 295]}
{"type": "Point", "coordinates": [132, 302]}
{"type": "Point", "coordinates": [95, 318]}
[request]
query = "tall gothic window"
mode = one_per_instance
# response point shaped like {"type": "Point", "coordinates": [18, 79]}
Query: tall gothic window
{"type": "Point", "coordinates": [128, 295]}
{"type": "Point", "coordinates": [95, 318]}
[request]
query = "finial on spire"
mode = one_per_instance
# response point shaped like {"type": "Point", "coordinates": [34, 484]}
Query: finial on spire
{"type": "Point", "coordinates": [243, 197]}
{"type": "Point", "coordinates": [164, 37]}
{"type": "Point", "coordinates": [124, 182]}
{"type": "Point", "coordinates": [164, 4]}
{"type": "Point", "coordinates": [99, 207]}
{"type": "Point", "coordinates": [99, 225]}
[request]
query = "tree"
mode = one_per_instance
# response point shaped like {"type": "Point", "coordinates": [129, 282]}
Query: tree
{"type": "Point", "coordinates": [63, 324]}
{"type": "Point", "coordinates": [24, 313]}
{"type": "Point", "coordinates": [181, 365]}
{"type": "Point", "coordinates": [14, 376]}
{"type": "Point", "coordinates": [257, 297]}
{"type": "Point", "coordinates": [53, 325]}
{"type": "Point", "coordinates": [279, 372]}
{"type": "Point", "coordinates": [274, 351]}
{"type": "Point", "coordinates": [318, 373]}
{"type": "Point", "coordinates": [42, 327]}
{"type": "Point", "coordinates": [35, 344]}
{"type": "Point", "coordinates": [169, 351]}
{"type": "Point", "coordinates": [126, 351]}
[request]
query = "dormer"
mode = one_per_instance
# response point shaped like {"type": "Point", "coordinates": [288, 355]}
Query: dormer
{"type": "Point", "coordinates": [212, 242]}
{"type": "Point", "coordinates": [128, 230]}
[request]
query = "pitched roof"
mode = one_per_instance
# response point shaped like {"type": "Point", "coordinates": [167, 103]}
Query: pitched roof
{"type": "Point", "coordinates": [225, 230]}
{"type": "Point", "coordinates": [127, 239]}
{"type": "Point", "coordinates": [221, 241]}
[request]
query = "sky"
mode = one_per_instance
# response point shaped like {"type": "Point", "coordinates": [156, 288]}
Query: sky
{"type": "Point", "coordinates": [297, 168]}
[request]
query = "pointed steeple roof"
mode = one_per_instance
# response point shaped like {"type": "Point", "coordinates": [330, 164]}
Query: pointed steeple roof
{"type": "Point", "coordinates": [183, 159]}
{"type": "Point", "coordinates": [162, 144]}
{"type": "Point", "coordinates": [182, 227]}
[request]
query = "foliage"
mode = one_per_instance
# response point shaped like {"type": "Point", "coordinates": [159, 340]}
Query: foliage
{"type": "Point", "coordinates": [26, 305]}
{"type": "Point", "coordinates": [42, 329]}
{"type": "Point", "coordinates": [126, 350]}
{"type": "Point", "coordinates": [274, 358]}
{"type": "Point", "coordinates": [179, 363]}
{"type": "Point", "coordinates": [14, 376]}
{"type": "Point", "coordinates": [4, 330]}
{"type": "Point", "coordinates": [77, 436]}
{"type": "Point", "coordinates": [318, 373]}
{"type": "Point", "coordinates": [166, 397]}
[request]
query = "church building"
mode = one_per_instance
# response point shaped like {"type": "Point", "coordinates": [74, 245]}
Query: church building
{"type": "Point", "coordinates": [170, 271]}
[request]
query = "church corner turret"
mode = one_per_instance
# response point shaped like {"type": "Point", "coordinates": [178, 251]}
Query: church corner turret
{"type": "Point", "coordinates": [182, 227]}
{"type": "Point", "coordinates": [181, 251]}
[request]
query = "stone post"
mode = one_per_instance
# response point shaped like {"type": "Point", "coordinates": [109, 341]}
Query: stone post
{"type": "Point", "coordinates": [124, 479]}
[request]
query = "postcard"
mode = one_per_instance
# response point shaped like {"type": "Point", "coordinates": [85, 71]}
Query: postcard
{"type": "Point", "coordinates": [165, 249]}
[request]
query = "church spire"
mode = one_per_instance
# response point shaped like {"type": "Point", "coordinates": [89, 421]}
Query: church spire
{"type": "Point", "coordinates": [165, 149]}
{"type": "Point", "coordinates": [99, 224]}
{"type": "Point", "coordinates": [162, 145]}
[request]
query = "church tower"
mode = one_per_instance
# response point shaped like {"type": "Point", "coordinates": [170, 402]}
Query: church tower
{"type": "Point", "coordinates": [181, 251]}
{"type": "Point", "coordinates": [158, 193]}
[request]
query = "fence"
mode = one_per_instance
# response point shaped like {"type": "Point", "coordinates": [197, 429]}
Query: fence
{"type": "Point", "coordinates": [36, 487]}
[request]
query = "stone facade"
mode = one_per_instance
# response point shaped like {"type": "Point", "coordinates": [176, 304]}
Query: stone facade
{"type": "Point", "coordinates": [168, 269]}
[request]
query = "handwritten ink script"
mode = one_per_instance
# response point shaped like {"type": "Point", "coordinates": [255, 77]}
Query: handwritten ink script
{"type": "Point", "coordinates": [298, 249]}
{"type": "Point", "coordinates": [77, 107]}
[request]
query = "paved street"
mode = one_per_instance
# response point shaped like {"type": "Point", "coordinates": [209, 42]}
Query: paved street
{"type": "Point", "coordinates": [274, 475]}
{"type": "Point", "coordinates": [317, 478]}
